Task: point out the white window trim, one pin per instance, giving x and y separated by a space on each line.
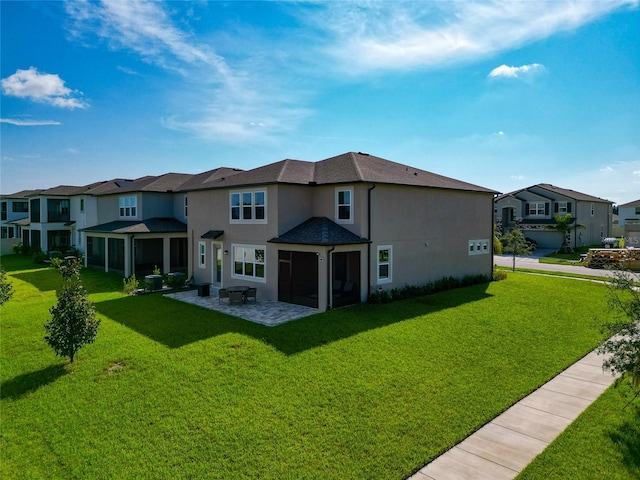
253 220
248 277
537 204
132 205
592 209
478 247
202 254
186 205
344 189
388 279
563 207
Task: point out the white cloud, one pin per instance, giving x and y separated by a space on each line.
366 36
516 72
243 102
28 123
41 87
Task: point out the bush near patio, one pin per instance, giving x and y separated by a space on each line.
368 391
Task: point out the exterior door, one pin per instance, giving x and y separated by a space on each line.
298 278
216 264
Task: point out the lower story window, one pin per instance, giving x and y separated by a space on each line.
249 262
384 264
202 252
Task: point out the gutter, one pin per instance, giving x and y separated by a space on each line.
369 238
330 278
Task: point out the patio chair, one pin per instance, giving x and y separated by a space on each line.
250 293
222 294
236 297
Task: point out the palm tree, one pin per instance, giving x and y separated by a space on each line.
564 225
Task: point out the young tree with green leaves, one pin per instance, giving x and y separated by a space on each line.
514 242
564 224
623 343
73 323
6 289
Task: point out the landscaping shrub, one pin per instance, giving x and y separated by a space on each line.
39 256
499 275
412 291
130 285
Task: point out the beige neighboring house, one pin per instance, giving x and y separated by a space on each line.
325 234
133 226
629 223
533 210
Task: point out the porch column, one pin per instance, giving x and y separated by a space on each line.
106 254
127 257
166 254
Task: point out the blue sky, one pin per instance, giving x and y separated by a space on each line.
499 94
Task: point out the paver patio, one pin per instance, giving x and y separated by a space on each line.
265 312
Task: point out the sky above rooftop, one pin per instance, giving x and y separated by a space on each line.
498 94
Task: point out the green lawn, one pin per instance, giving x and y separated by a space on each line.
604 442
171 390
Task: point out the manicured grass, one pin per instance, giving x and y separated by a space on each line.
371 391
604 442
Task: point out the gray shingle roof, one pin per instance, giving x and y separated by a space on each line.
151 225
565 192
168 182
635 203
346 168
208 179
319 231
21 194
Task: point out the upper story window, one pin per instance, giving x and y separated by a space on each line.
637 210
57 210
34 209
186 205
4 211
592 210
344 205
128 207
537 208
82 204
248 206
20 207
562 207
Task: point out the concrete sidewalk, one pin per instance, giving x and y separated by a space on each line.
507 444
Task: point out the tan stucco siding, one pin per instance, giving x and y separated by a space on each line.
429 231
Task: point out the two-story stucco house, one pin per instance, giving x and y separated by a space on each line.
533 210
140 225
629 222
14 215
327 233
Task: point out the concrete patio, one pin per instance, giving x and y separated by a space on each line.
265 312
503 447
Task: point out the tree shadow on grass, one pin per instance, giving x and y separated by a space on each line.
30 382
48 279
44 279
176 324
627 439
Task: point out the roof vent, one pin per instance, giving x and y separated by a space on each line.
363 153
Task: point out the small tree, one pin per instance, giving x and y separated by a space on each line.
515 243
73 323
623 343
564 225
6 289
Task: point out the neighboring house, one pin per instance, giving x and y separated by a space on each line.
629 222
139 225
51 226
327 233
533 210
14 215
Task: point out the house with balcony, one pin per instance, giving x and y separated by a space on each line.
327 233
629 222
533 210
136 225
14 215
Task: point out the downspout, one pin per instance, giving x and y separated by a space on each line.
133 256
329 278
369 238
